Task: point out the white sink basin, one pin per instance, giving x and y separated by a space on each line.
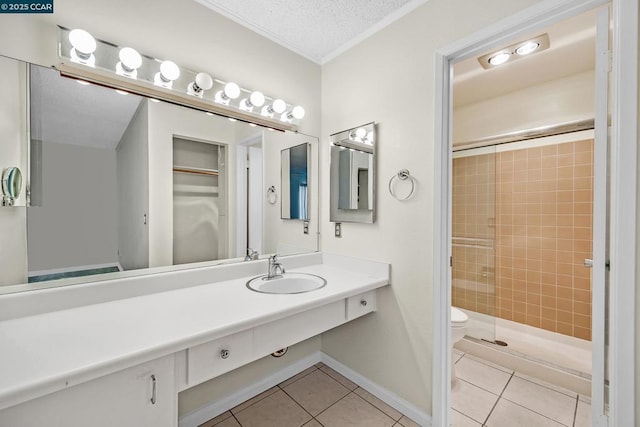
289 283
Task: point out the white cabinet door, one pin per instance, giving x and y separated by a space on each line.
122 399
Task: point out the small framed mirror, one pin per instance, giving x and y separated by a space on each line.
11 185
294 168
352 185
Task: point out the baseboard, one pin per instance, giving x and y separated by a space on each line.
388 397
215 408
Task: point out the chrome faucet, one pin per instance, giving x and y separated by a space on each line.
275 268
251 255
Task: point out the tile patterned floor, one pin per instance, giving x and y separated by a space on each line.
316 397
490 395
484 395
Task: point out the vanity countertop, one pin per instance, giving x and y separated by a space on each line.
47 352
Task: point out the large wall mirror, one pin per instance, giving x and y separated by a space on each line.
352 185
122 185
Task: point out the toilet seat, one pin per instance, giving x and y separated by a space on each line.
458 316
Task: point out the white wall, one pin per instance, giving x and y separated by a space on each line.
396 89
77 222
133 189
13 114
559 101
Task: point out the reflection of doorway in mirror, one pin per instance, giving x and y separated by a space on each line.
363 188
250 191
199 219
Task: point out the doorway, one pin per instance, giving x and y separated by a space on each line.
622 389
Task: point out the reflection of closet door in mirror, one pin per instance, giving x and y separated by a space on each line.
294 169
198 211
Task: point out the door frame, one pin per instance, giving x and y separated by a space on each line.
624 163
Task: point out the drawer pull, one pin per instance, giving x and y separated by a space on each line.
154 391
363 302
224 353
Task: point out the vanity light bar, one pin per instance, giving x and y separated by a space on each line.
104 63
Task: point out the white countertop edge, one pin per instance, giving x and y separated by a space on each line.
18 393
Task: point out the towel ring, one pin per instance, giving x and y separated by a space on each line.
272 196
402 175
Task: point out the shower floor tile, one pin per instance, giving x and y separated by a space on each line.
519 400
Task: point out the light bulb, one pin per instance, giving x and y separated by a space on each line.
83 47
360 133
499 58
369 138
527 48
279 106
257 99
130 59
297 112
121 92
82 42
231 90
169 71
202 82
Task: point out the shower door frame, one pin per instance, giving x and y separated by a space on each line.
624 137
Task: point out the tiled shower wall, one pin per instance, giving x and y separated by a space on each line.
533 270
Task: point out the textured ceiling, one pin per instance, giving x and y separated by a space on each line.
65 112
316 29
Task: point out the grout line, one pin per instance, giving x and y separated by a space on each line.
575 411
234 417
325 410
374 406
296 402
533 381
498 400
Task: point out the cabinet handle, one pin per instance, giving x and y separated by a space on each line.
224 353
154 391
363 302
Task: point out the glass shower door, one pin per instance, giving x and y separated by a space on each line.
474 242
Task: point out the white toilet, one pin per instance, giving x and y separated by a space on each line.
458 330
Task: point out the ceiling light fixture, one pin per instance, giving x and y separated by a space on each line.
515 51
83 47
202 82
169 72
130 61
